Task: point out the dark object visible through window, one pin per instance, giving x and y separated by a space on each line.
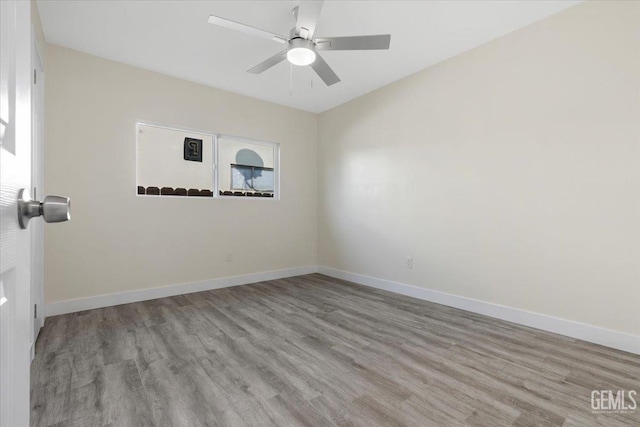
193 149
254 178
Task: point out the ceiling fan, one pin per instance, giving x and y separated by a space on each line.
302 49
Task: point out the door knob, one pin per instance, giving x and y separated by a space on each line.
52 208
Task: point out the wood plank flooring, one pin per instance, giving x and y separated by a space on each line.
315 351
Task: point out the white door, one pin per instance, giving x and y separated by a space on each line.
15 243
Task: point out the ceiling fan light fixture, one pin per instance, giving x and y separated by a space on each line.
301 56
301 52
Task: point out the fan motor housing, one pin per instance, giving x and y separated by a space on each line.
299 42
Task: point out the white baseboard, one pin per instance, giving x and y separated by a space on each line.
582 331
594 334
81 304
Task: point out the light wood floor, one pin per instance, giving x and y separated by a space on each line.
315 351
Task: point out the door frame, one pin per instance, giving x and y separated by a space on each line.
37 187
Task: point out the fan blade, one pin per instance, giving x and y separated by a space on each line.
265 65
324 71
381 41
247 29
307 18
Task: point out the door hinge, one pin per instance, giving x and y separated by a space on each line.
35 311
34 76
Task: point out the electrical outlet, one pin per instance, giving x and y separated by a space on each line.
229 257
409 262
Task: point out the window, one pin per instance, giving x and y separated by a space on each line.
176 162
246 168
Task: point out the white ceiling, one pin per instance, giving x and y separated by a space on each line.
174 38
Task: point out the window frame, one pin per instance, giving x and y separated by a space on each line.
216 167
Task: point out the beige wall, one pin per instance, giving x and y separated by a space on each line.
509 173
118 242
